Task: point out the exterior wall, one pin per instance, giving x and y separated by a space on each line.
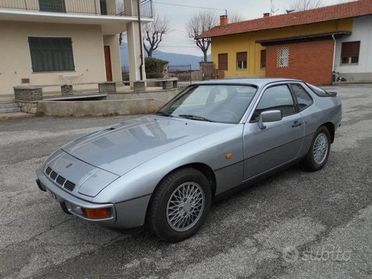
247 42
308 61
87 43
72 6
19 4
362 31
113 42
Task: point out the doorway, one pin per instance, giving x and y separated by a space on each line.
108 63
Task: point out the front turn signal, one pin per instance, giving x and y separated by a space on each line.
97 213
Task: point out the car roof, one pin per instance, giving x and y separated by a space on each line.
254 81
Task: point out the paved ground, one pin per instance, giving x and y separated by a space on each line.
293 225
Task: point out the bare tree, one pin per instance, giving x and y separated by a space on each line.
153 34
235 17
198 24
302 5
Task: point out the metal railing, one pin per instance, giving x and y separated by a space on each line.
182 72
147 8
94 7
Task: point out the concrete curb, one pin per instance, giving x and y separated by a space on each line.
17 115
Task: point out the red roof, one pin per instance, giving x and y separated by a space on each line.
341 11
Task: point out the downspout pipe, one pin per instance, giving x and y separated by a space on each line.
140 38
334 53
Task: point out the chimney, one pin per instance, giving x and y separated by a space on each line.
266 14
224 20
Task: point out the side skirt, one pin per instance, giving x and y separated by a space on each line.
252 181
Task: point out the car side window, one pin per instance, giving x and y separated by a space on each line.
276 98
303 98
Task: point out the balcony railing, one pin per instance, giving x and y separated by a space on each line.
93 7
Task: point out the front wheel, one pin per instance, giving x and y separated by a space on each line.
318 153
180 205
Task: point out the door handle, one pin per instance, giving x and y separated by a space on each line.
296 124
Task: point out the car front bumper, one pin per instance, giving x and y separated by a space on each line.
126 214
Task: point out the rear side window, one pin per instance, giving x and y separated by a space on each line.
303 98
276 98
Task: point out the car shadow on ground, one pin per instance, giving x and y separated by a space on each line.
226 200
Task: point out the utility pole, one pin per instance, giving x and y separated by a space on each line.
140 38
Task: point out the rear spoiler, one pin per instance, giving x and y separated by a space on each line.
320 91
331 94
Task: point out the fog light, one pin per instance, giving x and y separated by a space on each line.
97 213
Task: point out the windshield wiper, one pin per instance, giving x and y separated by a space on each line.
195 117
162 113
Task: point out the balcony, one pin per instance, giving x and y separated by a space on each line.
112 15
87 7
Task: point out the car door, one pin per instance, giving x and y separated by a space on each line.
279 142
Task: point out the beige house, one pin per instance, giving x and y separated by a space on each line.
55 42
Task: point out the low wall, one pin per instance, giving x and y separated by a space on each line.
28 107
98 108
357 77
164 96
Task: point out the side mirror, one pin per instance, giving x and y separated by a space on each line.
269 116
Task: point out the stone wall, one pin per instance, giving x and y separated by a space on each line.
28 94
98 108
28 107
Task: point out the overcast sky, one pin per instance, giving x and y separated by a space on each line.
176 40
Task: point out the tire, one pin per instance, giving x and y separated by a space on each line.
165 218
311 162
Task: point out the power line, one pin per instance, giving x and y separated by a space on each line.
189 6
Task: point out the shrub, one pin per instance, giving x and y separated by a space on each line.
155 67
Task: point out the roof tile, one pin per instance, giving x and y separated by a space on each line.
340 11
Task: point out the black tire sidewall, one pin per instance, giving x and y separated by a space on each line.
158 219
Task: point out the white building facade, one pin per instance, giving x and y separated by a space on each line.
56 42
353 57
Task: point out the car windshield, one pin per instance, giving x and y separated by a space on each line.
214 103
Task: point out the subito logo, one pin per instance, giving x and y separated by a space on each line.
290 254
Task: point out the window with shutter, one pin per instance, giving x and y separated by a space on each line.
350 52
223 61
263 58
241 60
51 54
52 6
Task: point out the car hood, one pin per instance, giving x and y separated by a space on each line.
125 146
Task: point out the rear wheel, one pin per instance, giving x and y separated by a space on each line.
318 153
180 205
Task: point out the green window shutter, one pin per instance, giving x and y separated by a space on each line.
51 54
52 6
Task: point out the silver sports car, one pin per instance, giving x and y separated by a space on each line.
165 170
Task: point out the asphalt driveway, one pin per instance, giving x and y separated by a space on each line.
292 225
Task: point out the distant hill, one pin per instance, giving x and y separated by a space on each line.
172 58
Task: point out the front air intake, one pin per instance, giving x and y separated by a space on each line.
60 180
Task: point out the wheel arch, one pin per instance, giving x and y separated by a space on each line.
331 129
202 167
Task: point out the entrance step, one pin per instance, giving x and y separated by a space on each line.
9 107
